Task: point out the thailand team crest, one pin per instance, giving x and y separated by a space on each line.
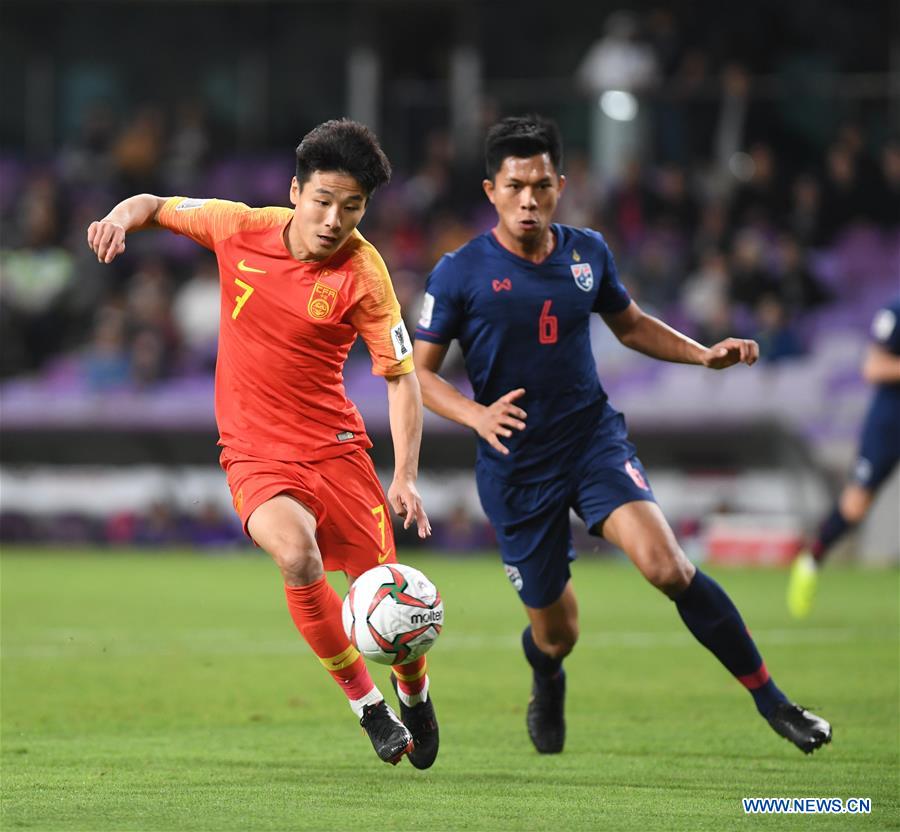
321 301
515 576
584 277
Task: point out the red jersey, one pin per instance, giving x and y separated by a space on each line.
286 328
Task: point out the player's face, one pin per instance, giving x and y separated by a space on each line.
525 192
327 208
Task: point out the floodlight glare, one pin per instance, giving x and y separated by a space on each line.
619 105
742 166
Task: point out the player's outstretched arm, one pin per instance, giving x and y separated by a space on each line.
106 237
405 413
497 420
649 335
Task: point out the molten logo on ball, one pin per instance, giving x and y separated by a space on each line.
393 614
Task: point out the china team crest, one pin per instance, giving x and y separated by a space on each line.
321 301
584 277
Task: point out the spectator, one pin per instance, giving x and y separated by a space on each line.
583 194
673 205
211 527
713 231
777 338
161 526
137 151
87 161
706 291
658 269
886 204
149 308
461 532
798 289
693 114
34 279
105 363
844 202
759 201
805 214
195 312
618 64
628 206
187 148
750 275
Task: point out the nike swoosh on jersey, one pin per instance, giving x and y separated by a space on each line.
384 556
243 267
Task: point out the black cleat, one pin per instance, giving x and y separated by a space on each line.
803 728
422 724
390 738
545 717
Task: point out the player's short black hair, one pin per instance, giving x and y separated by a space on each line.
344 146
522 136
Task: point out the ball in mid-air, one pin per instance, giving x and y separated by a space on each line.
393 614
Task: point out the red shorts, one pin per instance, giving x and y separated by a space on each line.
353 523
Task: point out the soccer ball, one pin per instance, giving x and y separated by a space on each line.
393 614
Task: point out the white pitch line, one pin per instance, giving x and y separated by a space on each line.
95 643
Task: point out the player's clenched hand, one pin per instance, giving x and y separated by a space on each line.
106 239
499 418
405 500
731 351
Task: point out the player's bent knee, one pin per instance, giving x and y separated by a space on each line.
670 572
300 561
556 643
556 649
855 503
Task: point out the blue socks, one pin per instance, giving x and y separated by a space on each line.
544 666
831 530
715 622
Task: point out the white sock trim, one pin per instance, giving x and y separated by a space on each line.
411 699
373 697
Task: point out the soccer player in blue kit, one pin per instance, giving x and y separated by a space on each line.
879 452
519 300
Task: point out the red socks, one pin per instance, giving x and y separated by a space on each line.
412 681
316 610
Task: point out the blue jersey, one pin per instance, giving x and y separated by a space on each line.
879 446
886 334
524 324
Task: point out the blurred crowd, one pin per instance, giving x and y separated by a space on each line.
162 524
205 524
717 250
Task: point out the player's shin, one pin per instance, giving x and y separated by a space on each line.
715 622
316 611
833 528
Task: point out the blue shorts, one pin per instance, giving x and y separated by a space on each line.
879 445
532 520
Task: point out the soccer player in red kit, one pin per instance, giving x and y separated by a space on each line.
297 286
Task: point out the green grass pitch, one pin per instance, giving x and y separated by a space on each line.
171 692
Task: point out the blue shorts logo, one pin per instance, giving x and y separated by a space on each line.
862 473
515 576
636 476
